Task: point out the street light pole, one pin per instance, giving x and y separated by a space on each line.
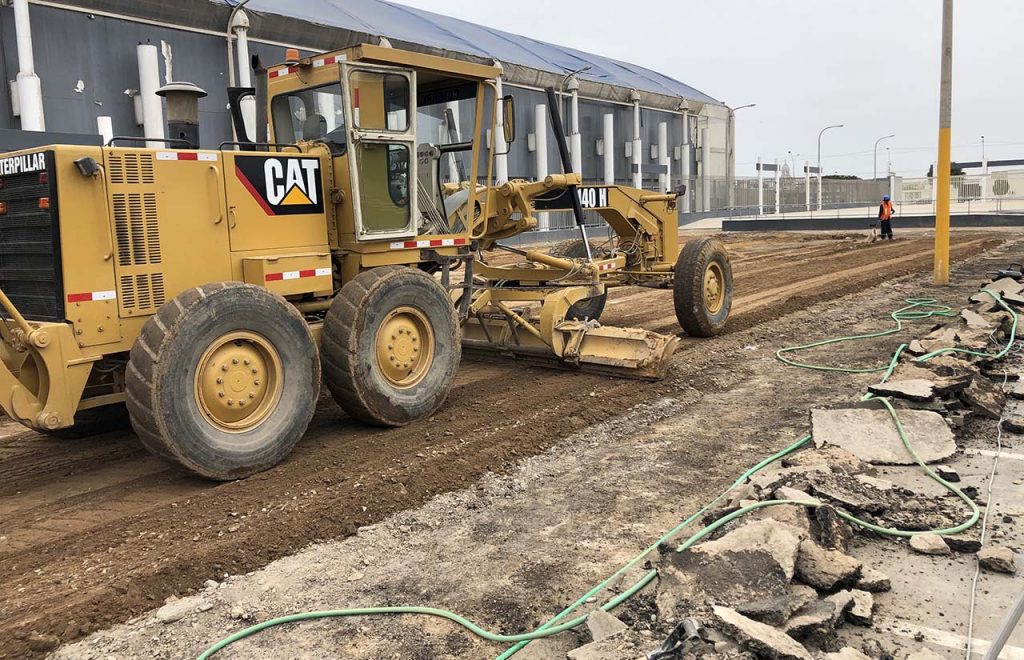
941 275
729 157
885 137
822 131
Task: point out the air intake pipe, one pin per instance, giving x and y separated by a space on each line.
183 112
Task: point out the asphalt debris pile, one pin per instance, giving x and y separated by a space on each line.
781 581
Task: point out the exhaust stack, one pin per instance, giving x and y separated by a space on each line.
183 111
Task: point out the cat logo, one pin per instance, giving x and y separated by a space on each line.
282 185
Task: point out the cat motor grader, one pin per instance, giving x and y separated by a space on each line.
205 294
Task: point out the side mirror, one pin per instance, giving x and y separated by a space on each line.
509 119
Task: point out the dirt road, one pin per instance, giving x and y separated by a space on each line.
94 531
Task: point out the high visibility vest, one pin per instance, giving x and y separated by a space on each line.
886 210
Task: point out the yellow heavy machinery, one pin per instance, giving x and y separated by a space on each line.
206 294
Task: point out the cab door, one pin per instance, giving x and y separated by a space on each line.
380 110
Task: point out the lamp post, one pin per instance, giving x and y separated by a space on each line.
820 133
729 167
941 275
884 137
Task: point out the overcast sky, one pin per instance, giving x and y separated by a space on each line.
872 65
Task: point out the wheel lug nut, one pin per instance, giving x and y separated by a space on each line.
256 382
246 363
234 360
224 367
255 371
252 395
220 394
220 380
231 402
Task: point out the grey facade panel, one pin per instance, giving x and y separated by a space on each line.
101 53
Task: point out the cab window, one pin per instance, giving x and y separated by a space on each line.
384 185
380 101
311 114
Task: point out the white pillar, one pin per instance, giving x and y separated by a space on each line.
453 136
705 167
540 132
247 104
664 178
986 180
30 89
609 149
892 187
638 144
819 188
807 185
575 140
152 106
105 128
778 187
501 160
686 169
760 188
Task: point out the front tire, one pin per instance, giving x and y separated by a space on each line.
702 288
223 380
391 346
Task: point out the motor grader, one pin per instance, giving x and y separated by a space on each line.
206 293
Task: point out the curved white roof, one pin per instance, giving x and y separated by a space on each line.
425 28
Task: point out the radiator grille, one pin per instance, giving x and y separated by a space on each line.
30 270
130 167
140 280
137 228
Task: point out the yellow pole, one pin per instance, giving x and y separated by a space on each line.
943 167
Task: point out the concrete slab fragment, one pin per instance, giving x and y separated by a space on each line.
975 321
871 434
914 389
765 641
1005 286
602 625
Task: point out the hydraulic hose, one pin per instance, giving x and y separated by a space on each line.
916 309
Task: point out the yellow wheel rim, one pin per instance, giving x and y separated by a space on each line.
405 347
714 287
238 381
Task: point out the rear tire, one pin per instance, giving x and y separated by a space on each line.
588 308
223 380
702 289
391 346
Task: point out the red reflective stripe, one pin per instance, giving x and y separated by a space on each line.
410 244
79 297
307 273
436 242
187 156
273 277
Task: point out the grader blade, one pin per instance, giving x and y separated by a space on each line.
580 345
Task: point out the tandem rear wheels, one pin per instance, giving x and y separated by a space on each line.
702 288
223 380
391 346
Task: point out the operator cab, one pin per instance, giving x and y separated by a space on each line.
407 134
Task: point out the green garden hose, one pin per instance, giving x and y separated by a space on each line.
916 308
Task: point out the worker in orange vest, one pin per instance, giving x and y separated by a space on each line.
885 215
